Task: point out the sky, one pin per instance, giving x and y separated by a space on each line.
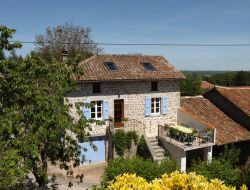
145 21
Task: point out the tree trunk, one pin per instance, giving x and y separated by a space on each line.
41 180
40 171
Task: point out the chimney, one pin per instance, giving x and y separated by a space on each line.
64 54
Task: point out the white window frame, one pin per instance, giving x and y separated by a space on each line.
95 108
153 106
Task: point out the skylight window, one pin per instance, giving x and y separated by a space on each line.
149 66
110 66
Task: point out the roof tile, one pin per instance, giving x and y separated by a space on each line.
228 131
239 96
129 68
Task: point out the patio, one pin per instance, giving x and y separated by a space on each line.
185 137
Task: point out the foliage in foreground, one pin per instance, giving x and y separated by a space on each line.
146 168
223 167
172 181
35 123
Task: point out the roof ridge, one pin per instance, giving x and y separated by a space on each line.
186 97
128 54
233 87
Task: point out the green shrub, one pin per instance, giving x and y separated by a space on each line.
221 170
223 167
246 175
145 168
123 141
142 148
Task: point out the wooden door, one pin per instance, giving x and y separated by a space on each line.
118 112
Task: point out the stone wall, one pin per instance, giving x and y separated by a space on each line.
134 94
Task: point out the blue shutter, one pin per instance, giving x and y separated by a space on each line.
147 106
86 110
164 108
105 110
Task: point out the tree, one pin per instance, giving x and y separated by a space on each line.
11 172
224 167
2 56
191 85
242 78
6 34
74 39
35 124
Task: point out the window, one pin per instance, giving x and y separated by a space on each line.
96 110
96 87
149 66
155 105
154 86
110 66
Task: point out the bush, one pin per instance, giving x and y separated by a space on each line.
173 181
246 175
142 149
123 141
223 167
221 170
146 168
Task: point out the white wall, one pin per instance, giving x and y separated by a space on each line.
187 120
178 154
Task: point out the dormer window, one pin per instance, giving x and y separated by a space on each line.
96 87
110 66
148 66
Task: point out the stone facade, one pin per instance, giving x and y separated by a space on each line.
134 94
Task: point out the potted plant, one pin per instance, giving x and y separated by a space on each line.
209 131
124 120
195 132
111 119
166 126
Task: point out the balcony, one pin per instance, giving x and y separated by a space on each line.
186 138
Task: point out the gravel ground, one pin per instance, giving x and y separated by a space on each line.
60 181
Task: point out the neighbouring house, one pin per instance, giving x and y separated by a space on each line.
145 91
200 111
206 85
234 101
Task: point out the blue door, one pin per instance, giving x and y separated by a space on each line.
92 156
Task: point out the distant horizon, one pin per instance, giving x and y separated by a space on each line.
215 70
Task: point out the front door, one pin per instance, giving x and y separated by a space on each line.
118 112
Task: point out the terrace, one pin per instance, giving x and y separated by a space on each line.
185 137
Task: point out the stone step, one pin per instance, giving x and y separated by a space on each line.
157 147
154 143
159 150
159 154
159 157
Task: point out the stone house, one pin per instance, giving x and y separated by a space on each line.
141 88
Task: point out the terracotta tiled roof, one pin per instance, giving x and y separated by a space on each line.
129 68
228 131
239 96
206 85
